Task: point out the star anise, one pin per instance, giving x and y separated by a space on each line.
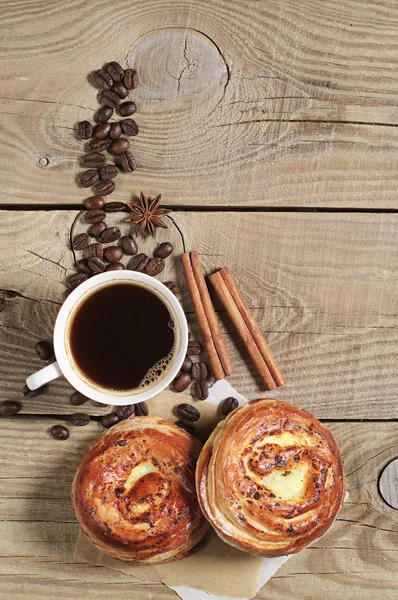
147 215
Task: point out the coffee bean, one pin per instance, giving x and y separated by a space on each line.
59 432
44 350
82 266
95 160
172 287
194 348
110 98
28 393
108 172
94 216
120 90
186 365
181 382
2 304
119 146
95 250
102 79
164 250
111 234
129 127
115 267
228 405
124 412
109 420
80 241
199 371
89 178
80 419
201 390
8 408
187 425
77 279
99 145
97 229
154 267
96 264
138 263
114 206
115 132
105 187
141 409
115 71
102 130
77 398
127 108
188 412
130 79
113 254
84 130
127 162
94 203
128 244
104 114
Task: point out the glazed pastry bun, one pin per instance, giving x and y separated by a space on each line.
134 492
270 478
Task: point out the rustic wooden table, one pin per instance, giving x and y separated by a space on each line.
271 129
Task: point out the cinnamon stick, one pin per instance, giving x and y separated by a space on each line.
253 327
215 362
242 329
216 333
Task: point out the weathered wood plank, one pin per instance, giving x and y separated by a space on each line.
240 102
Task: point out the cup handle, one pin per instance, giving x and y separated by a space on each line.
43 376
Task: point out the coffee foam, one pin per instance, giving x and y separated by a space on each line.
153 376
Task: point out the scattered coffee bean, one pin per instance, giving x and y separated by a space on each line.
113 254
188 412
115 71
130 79
84 130
80 419
95 160
124 412
138 263
187 425
115 132
110 234
141 409
120 90
8 408
108 172
182 382
33 393
154 267
102 130
109 420
97 229
96 264
199 371
2 304
186 365
127 162
82 266
99 145
77 398
94 216
164 250
110 98
194 348
95 250
44 350
129 127
119 146
104 114
89 178
127 108
114 206
80 241
228 405
128 244
103 79
77 279
59 432
94 203
172 287
105 187
115 267
201 390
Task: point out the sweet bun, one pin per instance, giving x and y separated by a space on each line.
270 478
134 492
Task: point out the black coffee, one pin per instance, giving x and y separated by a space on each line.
122 337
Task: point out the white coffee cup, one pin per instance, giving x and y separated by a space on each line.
67 367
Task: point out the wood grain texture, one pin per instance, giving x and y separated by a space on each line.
240 102
323 288
38 529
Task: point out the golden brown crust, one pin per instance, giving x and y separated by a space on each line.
134 492
270 478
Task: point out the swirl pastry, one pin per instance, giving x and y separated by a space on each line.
270 478
134 492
